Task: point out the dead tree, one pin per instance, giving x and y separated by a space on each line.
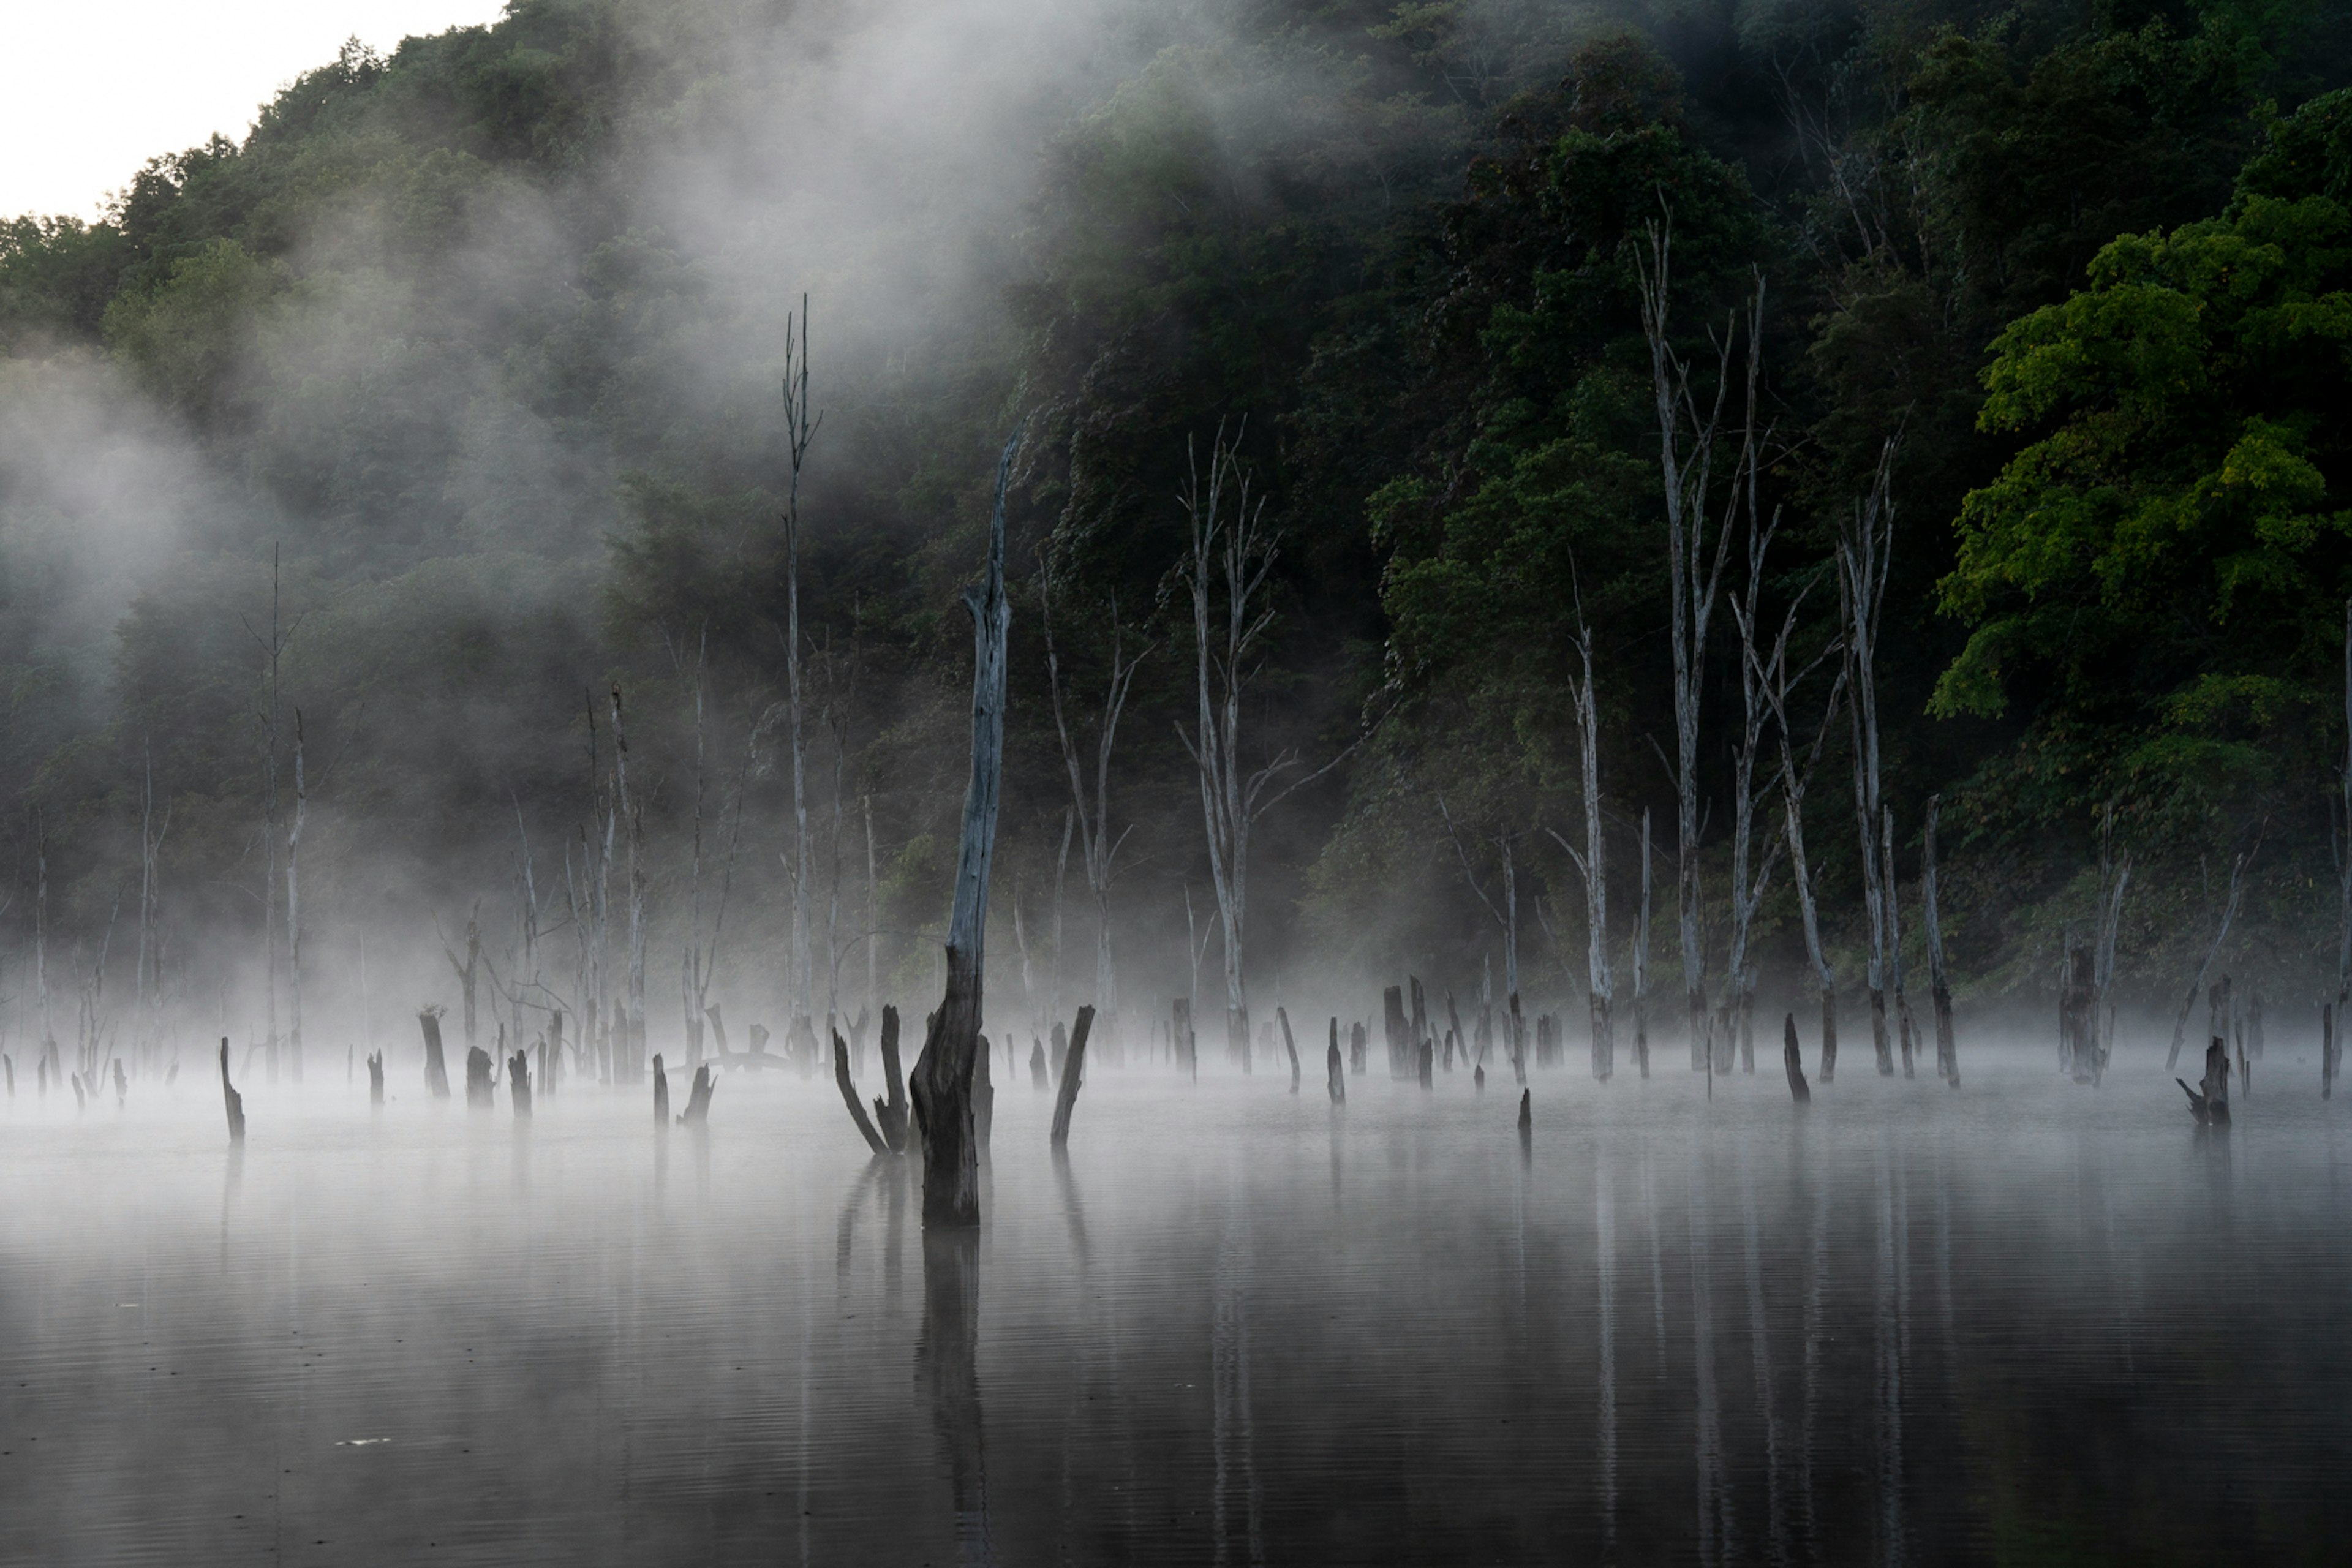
436 1068
1225 567
518 1083
2229 913
229 1095
943 1078
1642 961
1073 1070
849 1095
892 1111
1394 1030
1760 674
1290 1046
1794 1061
2344 843
478 1079
469 970
1591 862
1098 850
1504 914
2113 881
698 1098
1335 1078
375 1078
294 905
1947 1054
1687 433
628 1055
800 429
661 1093
1865 552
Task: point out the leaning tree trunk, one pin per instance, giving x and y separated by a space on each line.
942 1087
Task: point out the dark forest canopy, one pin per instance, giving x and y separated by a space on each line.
481 345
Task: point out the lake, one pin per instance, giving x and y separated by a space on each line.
2022 1322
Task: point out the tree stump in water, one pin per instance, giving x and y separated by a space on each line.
891 1112
661 1093
849 1095
1526 1119
231 1099
437 1067
375 1079
1392 1022
984 1096
1794 1061
1358 1037
2217 1081
1336 1077
1039 1077
519 1084
698 1098
1073 1072
1289 1046
1061 1039
478 1079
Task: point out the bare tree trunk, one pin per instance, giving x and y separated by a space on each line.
1642 960
1072 1070
628 1059
1947 1055
2229 913
1864 556
232 1101
294 904
943 1077
1907 1036
2113 881
799 430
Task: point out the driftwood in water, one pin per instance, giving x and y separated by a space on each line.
1336 1078
478 1079
1290 1046
518 1083
891 1112
1794 1061
1040 1079
661 1093
1074 1067
849 1095
698 1098
436 1068
375 1078
229 1095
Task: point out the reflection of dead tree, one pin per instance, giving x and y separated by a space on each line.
943 1085
1097 848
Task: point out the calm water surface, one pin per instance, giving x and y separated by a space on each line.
2022 1323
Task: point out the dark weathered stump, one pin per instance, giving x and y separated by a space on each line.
698 1098
891 1112
1289 1046
1400 1040
661 1093
437 1067
231 1099
941 1098
519 1084
1335 1076
1040 1078
1527 1118
1794 1061
375 1079
2216 1085
984 1096
1074 1067
478 1079
849 1095
1061 1039
1359 1038
1478 1078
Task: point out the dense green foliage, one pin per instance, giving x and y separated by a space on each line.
483 339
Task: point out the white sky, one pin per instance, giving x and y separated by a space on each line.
90 90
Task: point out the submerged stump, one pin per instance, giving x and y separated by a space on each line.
234 1102
1794 1061
1073 1072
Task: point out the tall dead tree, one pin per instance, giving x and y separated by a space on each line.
1593 861
1778 685
1096 848
1947 1054
2114 877
1225 566
2195 987
628 1053
1642 960
294 904
1690 420
942 1086
800 429
1866 548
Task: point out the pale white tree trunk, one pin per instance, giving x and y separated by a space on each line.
1862 559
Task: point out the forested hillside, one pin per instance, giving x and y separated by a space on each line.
399 435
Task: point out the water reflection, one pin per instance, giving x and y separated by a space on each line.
1193 1351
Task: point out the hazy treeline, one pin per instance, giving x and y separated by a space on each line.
462 374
